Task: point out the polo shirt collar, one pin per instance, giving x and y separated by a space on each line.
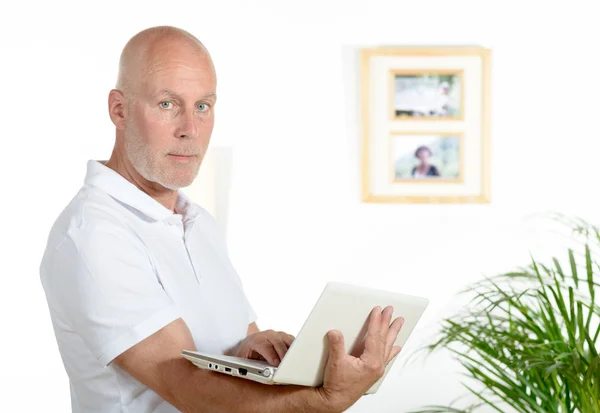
106 179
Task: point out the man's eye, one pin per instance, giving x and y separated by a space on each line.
203 107
166 105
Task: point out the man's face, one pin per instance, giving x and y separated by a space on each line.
171 116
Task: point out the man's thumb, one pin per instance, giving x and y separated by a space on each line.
336 342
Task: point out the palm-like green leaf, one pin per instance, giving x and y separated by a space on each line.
528 339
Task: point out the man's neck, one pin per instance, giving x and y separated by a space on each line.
166 197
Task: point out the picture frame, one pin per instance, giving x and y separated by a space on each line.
426 124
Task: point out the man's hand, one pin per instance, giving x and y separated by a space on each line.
268 345
347 378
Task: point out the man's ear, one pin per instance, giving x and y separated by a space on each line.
116 108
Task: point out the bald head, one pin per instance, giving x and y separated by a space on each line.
163 107
148 48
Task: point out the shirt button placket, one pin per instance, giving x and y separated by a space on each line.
187 250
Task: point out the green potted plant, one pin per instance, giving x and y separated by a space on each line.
528 340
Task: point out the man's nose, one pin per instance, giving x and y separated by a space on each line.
187 128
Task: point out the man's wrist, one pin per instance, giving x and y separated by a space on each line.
319 402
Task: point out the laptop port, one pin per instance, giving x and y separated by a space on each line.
227 369
243 372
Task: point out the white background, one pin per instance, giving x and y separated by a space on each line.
288 107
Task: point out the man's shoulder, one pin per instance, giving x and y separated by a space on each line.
89 214
89 230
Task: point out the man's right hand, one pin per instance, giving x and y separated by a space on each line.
347 378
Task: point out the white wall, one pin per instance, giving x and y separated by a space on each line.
288 107
212 186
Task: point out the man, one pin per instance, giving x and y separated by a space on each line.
134 272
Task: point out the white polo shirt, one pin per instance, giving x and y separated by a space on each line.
118 267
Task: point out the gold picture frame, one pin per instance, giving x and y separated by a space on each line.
418 69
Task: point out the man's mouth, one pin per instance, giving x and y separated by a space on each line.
182 157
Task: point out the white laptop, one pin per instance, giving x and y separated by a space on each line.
342 307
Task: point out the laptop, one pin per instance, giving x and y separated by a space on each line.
341 306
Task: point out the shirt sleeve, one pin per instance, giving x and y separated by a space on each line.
104 284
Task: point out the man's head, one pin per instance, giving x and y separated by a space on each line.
163 106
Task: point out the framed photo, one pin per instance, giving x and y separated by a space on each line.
426 125
426 158
426 94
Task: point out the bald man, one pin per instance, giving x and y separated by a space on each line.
134 272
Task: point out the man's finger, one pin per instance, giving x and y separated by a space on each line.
279 347
288 339
256 356
393 353
374 325
268 352
374 342
393 334
386 318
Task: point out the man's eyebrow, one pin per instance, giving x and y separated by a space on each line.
167 92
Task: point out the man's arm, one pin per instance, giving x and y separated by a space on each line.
157 362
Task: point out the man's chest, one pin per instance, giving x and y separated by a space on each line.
198 276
